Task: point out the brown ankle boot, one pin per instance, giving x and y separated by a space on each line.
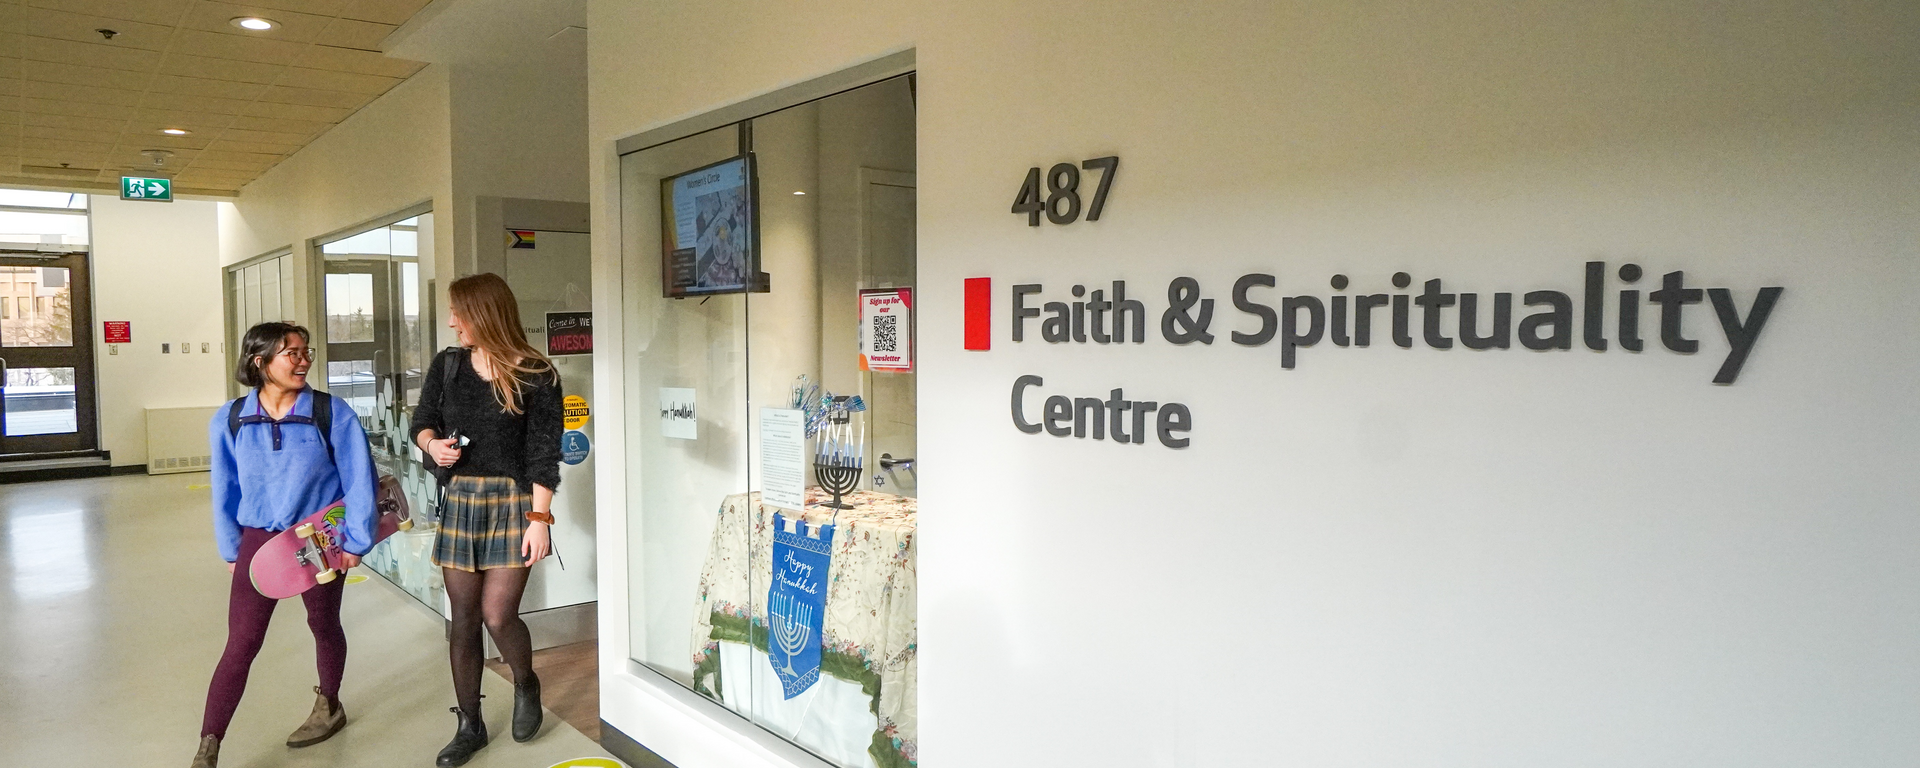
325 721
209 754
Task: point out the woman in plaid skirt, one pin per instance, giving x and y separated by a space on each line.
497 425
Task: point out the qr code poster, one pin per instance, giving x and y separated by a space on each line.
886 329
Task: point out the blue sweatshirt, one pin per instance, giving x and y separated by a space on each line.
260 485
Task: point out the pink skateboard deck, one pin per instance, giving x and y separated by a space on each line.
308 554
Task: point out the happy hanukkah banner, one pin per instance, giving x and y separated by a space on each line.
797 602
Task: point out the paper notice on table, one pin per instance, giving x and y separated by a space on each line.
677 416
783 457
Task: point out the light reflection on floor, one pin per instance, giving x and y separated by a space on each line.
47 549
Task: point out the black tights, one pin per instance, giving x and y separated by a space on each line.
492 596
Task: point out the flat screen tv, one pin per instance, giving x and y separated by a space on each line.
710 230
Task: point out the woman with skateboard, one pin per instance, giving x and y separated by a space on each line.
490 414
272 466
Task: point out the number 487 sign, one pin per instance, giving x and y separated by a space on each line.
1060 200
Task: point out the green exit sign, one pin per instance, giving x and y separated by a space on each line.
136 188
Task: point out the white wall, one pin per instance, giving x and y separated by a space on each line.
1383 556
156 265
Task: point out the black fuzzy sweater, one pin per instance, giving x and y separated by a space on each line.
525 447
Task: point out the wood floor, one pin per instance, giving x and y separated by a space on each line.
569 683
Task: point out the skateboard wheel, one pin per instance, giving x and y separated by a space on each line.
324 576
303 530
406 524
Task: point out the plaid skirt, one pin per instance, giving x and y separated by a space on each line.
482 524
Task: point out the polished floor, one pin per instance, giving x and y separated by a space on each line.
113 612
569 683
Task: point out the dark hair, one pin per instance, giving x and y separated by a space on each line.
261 342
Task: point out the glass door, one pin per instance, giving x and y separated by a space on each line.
46 352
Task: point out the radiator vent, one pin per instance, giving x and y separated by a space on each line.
177 439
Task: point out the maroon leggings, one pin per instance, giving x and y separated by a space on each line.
248 612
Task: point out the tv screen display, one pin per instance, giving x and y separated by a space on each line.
709 223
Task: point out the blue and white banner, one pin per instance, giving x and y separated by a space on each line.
797 602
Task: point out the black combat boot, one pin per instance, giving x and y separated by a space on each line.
471 736
526 708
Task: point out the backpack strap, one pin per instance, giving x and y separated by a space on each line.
323 418
233 416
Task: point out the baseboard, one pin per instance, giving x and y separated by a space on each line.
130 469
629 751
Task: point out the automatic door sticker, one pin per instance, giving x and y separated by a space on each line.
574 411
574 447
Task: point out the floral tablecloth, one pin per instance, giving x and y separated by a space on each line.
872 630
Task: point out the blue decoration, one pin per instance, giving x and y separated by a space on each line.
574 447
797 602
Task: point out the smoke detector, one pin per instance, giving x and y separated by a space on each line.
158 156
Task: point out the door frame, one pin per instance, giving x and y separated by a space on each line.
86 398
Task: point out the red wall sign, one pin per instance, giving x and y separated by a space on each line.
119 331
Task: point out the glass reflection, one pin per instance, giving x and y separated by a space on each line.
40 401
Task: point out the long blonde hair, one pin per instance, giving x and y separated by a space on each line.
492 316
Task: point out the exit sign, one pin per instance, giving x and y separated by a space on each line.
136 188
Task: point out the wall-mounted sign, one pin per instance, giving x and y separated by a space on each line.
118 331
886 329
574 411
574 447
569 333
140 188
677 416
520 238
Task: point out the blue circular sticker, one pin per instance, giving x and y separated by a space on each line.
574 447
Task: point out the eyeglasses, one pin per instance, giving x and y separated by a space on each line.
300 354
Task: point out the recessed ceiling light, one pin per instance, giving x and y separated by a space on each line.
254 23
175 131
798 192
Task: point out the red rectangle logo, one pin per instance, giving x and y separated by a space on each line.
119 331
979 303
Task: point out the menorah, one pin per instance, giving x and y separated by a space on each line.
839 455
788 623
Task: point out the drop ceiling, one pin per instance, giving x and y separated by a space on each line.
79 109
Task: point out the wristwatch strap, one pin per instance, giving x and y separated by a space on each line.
541 517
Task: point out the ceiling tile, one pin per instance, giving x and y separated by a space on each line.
157 140
263 137
354 60
370 85
89 54
219 69
233 165
69 134
315 7
9 87
314 97
210 16
185 103
64 146
74 74
219 46
239 159
384 11
76 108
161 12
64 92
297 112
154 119
41 22
227 145
195 86
70 121
364 35
307 128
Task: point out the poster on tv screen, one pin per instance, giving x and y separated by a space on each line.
708 224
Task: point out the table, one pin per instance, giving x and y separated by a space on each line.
872 629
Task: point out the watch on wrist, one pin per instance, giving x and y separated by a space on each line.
541 517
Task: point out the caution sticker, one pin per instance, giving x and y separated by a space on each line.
575 411
589 762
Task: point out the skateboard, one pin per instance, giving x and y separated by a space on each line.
308 554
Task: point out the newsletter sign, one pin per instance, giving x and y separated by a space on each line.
886 329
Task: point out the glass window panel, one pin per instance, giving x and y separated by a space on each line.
288 309
36 199
45 228
373 242
40 401
406 242
251 279
43 304
352 380
270 290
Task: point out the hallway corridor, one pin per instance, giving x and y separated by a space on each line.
113 612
